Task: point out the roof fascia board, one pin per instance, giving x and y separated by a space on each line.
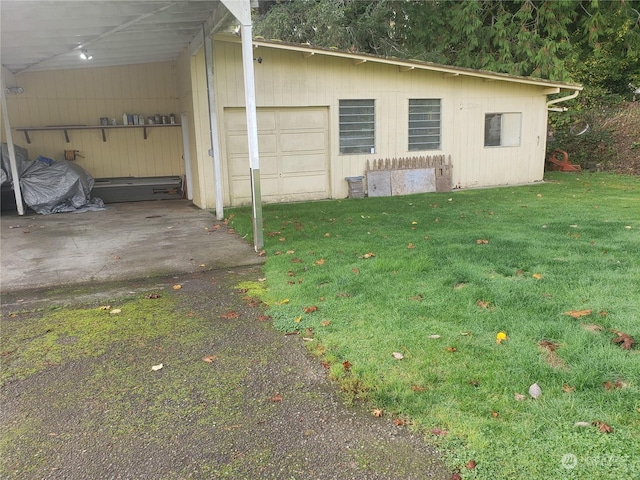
406 65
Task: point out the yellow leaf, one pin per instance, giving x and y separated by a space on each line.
537 276
320 261
286 300
115 311
298 319
414 223
177 287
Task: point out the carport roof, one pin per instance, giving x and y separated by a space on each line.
50 34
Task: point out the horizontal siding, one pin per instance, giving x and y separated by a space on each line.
81 97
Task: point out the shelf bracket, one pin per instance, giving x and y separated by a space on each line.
66 135
104 137
144 129
26 137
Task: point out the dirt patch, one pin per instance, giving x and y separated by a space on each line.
624 126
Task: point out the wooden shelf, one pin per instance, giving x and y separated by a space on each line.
66 128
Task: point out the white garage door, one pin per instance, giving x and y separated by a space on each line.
294 161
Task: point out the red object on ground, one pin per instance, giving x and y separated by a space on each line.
562 165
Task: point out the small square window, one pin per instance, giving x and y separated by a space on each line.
502 129
424 124
357 126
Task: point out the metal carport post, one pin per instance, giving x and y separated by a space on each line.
15 175
241 10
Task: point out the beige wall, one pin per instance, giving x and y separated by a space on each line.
82 96
286 78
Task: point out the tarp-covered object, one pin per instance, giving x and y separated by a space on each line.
52 186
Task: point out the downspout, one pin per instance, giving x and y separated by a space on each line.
561 99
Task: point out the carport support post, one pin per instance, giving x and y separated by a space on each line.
213 125
15 176
252 133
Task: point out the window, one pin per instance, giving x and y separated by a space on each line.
357 126
424 124
502 129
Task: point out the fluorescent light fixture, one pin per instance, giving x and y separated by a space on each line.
84 55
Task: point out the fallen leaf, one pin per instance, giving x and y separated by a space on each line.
155 368
153 296
298 319
578 313
519 397
368 255
414 223
439 432
471 464
625 340
411 246
320 261
451 349
399 422
325 365
282 302
202 265
262 253
459 286
327 234
500 337
282 239
482 241
495 414
566 388
456 476
548 345
310 309
116 257
230 315
290 252
417 388
603 427
482 304
466 334
325 323
115 311
537 276
416 298
177 287
535 391
435 336
397 355
276 398
582 424
377 412
210 358
347 365
355 270
614 386
474 383
296 260
105 307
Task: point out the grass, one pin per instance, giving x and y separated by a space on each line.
387 274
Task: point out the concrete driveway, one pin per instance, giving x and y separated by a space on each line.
124 242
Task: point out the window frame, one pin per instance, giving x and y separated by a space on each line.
509 134
349 137
415 146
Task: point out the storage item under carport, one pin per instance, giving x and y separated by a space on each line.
138 189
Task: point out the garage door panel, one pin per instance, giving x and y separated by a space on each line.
237 144
302 119
303 142
293 151
239 166
304 164
312 184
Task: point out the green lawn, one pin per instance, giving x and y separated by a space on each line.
389 274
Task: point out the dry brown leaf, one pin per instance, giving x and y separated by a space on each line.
451 349
377 412
105 307
368 255
456 476
411 246
482 241
566 388
483 304
439 432
347 365
416 298
209 358
603 427
310 309
495 414
230 315
177 287
397 355
471 464
262 253
355 270
399 421
320 261
263 318
417 388
276 398
325 323
578 313
548 345
625 340
591 327
519 397
153 296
